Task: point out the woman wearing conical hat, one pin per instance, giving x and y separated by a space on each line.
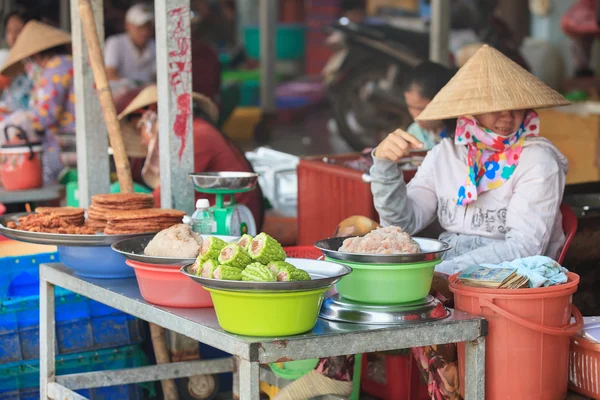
496 188
213 151
51 109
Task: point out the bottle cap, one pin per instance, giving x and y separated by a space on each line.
202 203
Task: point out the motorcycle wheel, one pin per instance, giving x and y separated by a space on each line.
363 123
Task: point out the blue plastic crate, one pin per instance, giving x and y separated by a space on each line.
81 325
11 267
20 380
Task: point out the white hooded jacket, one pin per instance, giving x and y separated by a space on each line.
521 218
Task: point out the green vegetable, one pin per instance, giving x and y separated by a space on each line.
299 275
211 247
245 241
275 266
208 268
226 273
264 249
257 272
234 256
284 274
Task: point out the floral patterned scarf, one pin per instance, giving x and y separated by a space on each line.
492 158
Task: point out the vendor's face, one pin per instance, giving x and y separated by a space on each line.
416 103
13 29
140 35
503 123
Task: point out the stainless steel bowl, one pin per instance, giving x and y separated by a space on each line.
133 249
431 250
323 273
224 180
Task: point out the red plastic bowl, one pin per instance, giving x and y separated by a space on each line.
167 286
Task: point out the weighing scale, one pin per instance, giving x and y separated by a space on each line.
231 219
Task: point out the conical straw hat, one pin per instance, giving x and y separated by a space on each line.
149 96
34 38
490 82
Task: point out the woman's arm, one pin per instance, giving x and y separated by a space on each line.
412 208
530 218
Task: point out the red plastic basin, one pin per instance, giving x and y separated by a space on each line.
167 286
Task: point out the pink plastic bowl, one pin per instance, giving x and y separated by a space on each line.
167 286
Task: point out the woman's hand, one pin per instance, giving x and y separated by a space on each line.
397 145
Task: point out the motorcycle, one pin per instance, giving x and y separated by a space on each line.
365 79
366 75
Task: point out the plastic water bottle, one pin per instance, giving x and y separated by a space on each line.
203 220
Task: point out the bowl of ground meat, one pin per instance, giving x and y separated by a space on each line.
388 265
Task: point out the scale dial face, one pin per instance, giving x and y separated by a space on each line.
241 221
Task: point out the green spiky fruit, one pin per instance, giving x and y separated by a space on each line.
208 268
275 266
234 256
264 249
244 241
211 247
257 272
226 273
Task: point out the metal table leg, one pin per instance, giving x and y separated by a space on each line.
47 337
249 379
475 369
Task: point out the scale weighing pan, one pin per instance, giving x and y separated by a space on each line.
133 249
339 309
224 182
323 274
431 250
56 239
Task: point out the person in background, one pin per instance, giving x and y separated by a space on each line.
51 109
213 151
426 81
132 55
206 67
16 95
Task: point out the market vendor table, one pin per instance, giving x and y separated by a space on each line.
326 339
45 193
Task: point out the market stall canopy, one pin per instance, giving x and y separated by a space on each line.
490 82
34 38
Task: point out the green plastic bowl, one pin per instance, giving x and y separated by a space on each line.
386 283
293 370
267 314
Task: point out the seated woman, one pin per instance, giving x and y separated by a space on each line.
496 188
213 151
51 109
425 82
16 95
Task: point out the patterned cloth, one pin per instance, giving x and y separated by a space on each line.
439 367
51 111
16 95
492 158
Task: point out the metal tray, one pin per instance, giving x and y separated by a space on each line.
431 250
56 239
340 309
133 249
230 181
323 273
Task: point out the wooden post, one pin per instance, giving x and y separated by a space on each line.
105 95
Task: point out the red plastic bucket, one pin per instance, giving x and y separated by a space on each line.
527 347
167 286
